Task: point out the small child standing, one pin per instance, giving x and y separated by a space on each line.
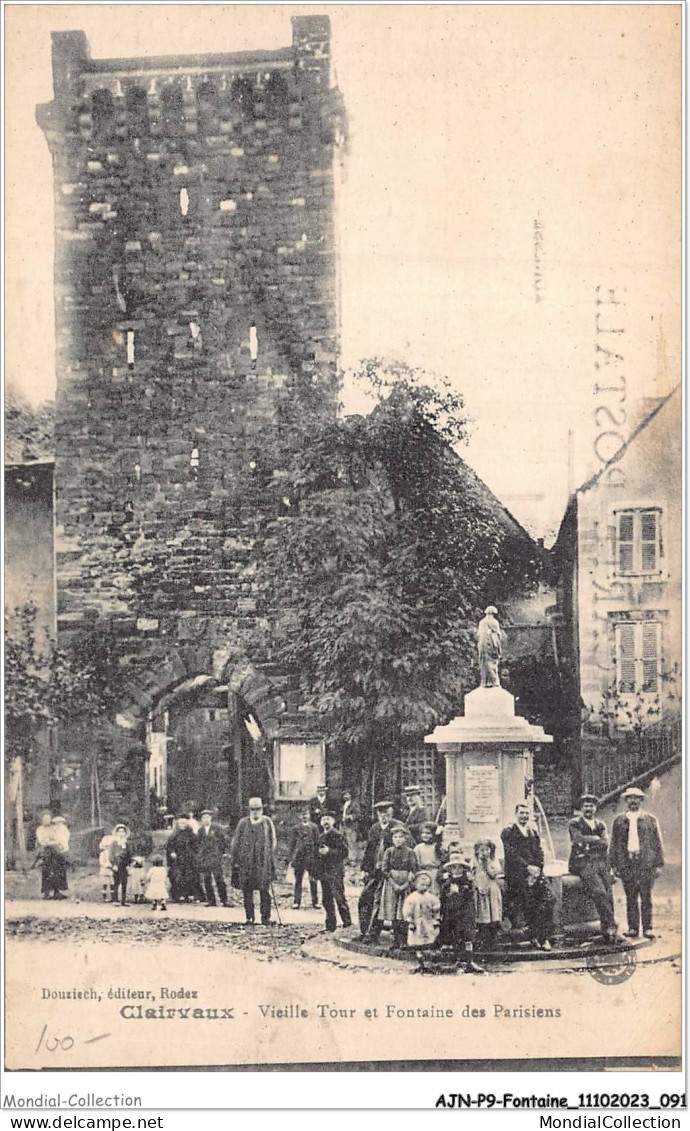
427 855
458 915
105 866
137 879
157 884
421 911
489 901
399 867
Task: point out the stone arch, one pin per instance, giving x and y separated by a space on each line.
175 670
258 691
191 689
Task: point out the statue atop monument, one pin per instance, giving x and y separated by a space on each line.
489 641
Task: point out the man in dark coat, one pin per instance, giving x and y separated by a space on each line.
333 853
183 865
253 860
378 840
416 813
636 856
589 860
210 850
527 889
304 843
318 806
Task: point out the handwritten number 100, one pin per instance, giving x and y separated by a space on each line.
52 1044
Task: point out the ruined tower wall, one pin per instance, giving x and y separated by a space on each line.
196 327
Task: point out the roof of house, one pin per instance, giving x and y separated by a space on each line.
594 479
570 513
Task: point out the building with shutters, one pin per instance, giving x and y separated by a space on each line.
618 617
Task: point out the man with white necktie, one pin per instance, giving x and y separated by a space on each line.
636 855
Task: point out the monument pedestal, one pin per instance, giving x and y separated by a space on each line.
489 769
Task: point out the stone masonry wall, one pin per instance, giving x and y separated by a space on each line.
196 328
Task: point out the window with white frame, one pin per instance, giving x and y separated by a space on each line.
638 657
639 547
300 768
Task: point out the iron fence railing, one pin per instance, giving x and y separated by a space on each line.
609 765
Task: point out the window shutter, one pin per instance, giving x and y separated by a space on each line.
650 657
626 658
625 543
648 524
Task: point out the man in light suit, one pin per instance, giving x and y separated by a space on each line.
589 860
636 855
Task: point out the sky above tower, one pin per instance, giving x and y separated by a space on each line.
507 209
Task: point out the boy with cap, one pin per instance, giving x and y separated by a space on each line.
210 849
333 854
458 910
589 860
636 856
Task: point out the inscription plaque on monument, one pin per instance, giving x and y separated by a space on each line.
482 797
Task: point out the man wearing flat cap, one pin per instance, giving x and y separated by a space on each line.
589 860
210 849
416 815
636 856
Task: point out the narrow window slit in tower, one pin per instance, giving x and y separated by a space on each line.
130 347
194 461
253 343
184 201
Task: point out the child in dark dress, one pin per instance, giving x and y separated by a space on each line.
399 868
458 915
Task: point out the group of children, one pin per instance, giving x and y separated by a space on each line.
122 873
429 902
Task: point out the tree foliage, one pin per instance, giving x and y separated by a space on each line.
387 551
46 685
29 430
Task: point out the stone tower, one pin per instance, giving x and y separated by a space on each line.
196 332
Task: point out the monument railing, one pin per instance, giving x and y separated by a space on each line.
608 765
